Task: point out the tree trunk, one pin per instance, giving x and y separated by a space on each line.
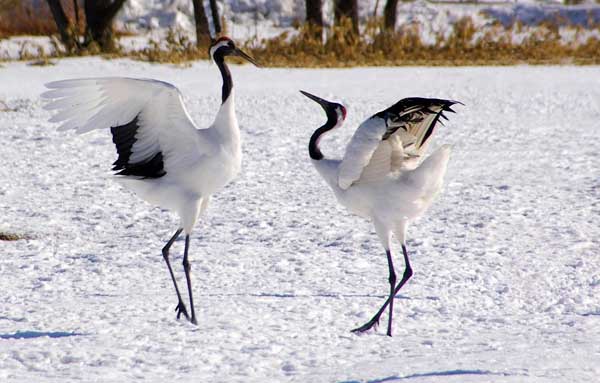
389 17
202 30
215 16
76 11
63 25
349 9
314 12
99 15
376 7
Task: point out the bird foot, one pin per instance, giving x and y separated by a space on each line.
367 326
182 310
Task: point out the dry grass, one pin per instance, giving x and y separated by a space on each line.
20 18
5 108
177 48
45 61
4 236
465 44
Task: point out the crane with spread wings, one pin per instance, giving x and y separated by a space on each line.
162 155
383 176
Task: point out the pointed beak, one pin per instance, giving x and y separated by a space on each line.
245 56
324 103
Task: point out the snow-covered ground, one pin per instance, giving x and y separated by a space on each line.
507 267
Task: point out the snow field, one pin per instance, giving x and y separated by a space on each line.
506 261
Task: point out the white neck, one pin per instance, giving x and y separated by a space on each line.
328 169
226 123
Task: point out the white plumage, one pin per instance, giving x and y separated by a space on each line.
382 175
197 162
162 155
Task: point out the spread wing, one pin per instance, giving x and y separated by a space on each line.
152 131
391 140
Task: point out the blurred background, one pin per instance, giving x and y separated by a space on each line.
308 33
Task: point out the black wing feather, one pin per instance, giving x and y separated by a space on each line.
123 137
396 116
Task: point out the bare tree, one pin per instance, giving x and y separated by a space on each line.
202 30
314 12
76 10
215 16
349 9
376 7
99 16
389 14
63 24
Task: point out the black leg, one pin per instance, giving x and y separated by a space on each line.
375 320
165 251
392 280
186 267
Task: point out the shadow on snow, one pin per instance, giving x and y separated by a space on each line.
292 295
39 334
427 374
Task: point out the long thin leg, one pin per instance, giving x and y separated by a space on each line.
165 251
407 274
392 280
186 267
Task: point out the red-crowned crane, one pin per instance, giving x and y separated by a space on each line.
383 176
162 155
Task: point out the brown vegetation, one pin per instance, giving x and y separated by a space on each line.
20 18
405 46
11 236
465 44
177 48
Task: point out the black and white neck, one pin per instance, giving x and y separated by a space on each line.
336 114
220 48
333 121
218 52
